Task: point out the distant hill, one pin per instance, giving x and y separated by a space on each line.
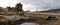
52 11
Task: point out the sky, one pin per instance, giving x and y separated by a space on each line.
33 5
4 3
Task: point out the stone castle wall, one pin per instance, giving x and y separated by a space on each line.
12 10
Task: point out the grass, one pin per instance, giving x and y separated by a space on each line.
36 17
40 18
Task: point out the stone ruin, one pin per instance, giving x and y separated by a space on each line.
17 10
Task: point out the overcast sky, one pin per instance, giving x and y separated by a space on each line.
33 5
4 3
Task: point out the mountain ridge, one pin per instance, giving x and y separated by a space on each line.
52 10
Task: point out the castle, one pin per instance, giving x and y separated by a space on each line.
12 10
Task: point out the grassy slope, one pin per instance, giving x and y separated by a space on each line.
45 15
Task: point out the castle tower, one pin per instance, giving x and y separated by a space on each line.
19 7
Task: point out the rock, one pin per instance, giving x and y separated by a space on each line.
51 18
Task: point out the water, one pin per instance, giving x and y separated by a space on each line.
30 23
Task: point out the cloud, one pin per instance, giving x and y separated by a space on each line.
32 5
4 3
41 4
